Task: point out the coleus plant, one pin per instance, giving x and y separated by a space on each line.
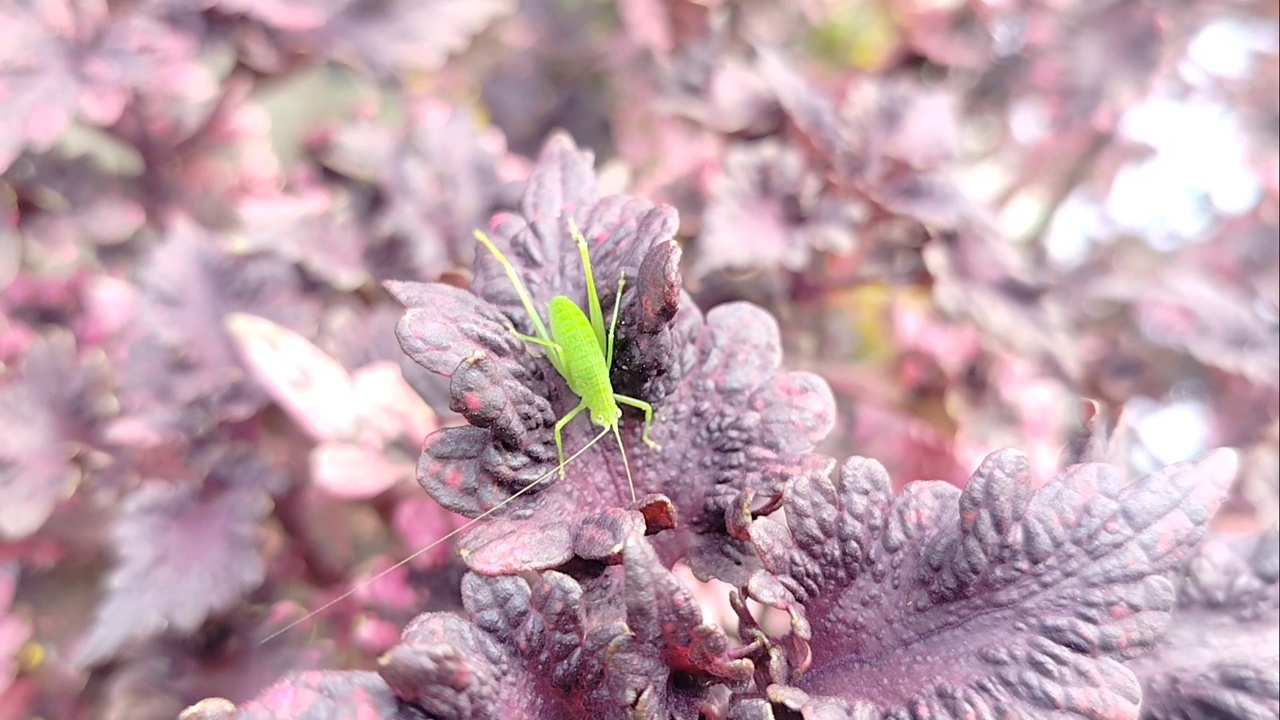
173 209
1013 597
729 423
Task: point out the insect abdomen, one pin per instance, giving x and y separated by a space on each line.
584 365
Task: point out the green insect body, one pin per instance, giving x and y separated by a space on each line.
582 352
585 367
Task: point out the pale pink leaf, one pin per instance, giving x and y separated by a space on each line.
354 472
312 387
388 407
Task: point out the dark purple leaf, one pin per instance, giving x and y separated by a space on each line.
554 647
727 420
1221 657
1000 599
183 553
183 370
458 670
664 665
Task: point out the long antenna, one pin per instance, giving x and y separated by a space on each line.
455 531
625 465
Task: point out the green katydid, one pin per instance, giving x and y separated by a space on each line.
580 350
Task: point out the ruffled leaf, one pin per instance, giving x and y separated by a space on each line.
1221 657
626 643
184 553
727 420
999 599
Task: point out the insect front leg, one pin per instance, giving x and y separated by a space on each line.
648 417
613 324
544 337
555 352
593 298
568 417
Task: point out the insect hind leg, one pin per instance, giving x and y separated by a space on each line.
568 417
648 417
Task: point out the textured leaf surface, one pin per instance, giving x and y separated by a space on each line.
558 647
664 665
1221 657
727 420
997 600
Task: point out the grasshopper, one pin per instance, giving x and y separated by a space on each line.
582 352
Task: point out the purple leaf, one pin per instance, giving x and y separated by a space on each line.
184 553
61 61
1220 657
556 647
385 37
728 421
670 655
441 177
453 669
768 210
1216 324
184 370
369 424
47 417
315 226
79 205
392 36
319 695
312 388
1000 599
